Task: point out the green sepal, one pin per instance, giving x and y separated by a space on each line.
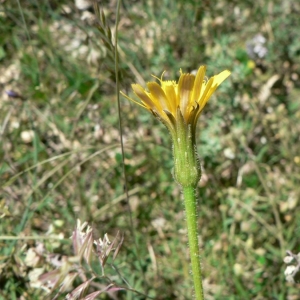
187 171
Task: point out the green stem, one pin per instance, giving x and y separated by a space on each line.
191 219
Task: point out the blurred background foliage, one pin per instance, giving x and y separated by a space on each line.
60 143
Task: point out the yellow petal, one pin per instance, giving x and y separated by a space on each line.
140 104
211 88
142 94
198 85
185 89
171 102
203 98
169 89
158 96
218 79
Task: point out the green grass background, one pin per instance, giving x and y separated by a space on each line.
60 149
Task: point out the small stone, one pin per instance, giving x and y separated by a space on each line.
27 136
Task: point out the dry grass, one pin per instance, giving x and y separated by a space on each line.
61 158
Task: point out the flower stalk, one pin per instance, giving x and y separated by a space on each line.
178 106
190 204
187 173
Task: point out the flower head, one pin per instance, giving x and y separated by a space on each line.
186 99
178 106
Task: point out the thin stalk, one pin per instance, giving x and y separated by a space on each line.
191 219
121 135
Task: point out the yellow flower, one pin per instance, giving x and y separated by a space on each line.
170 100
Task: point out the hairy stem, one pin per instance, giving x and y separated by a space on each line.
191 218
